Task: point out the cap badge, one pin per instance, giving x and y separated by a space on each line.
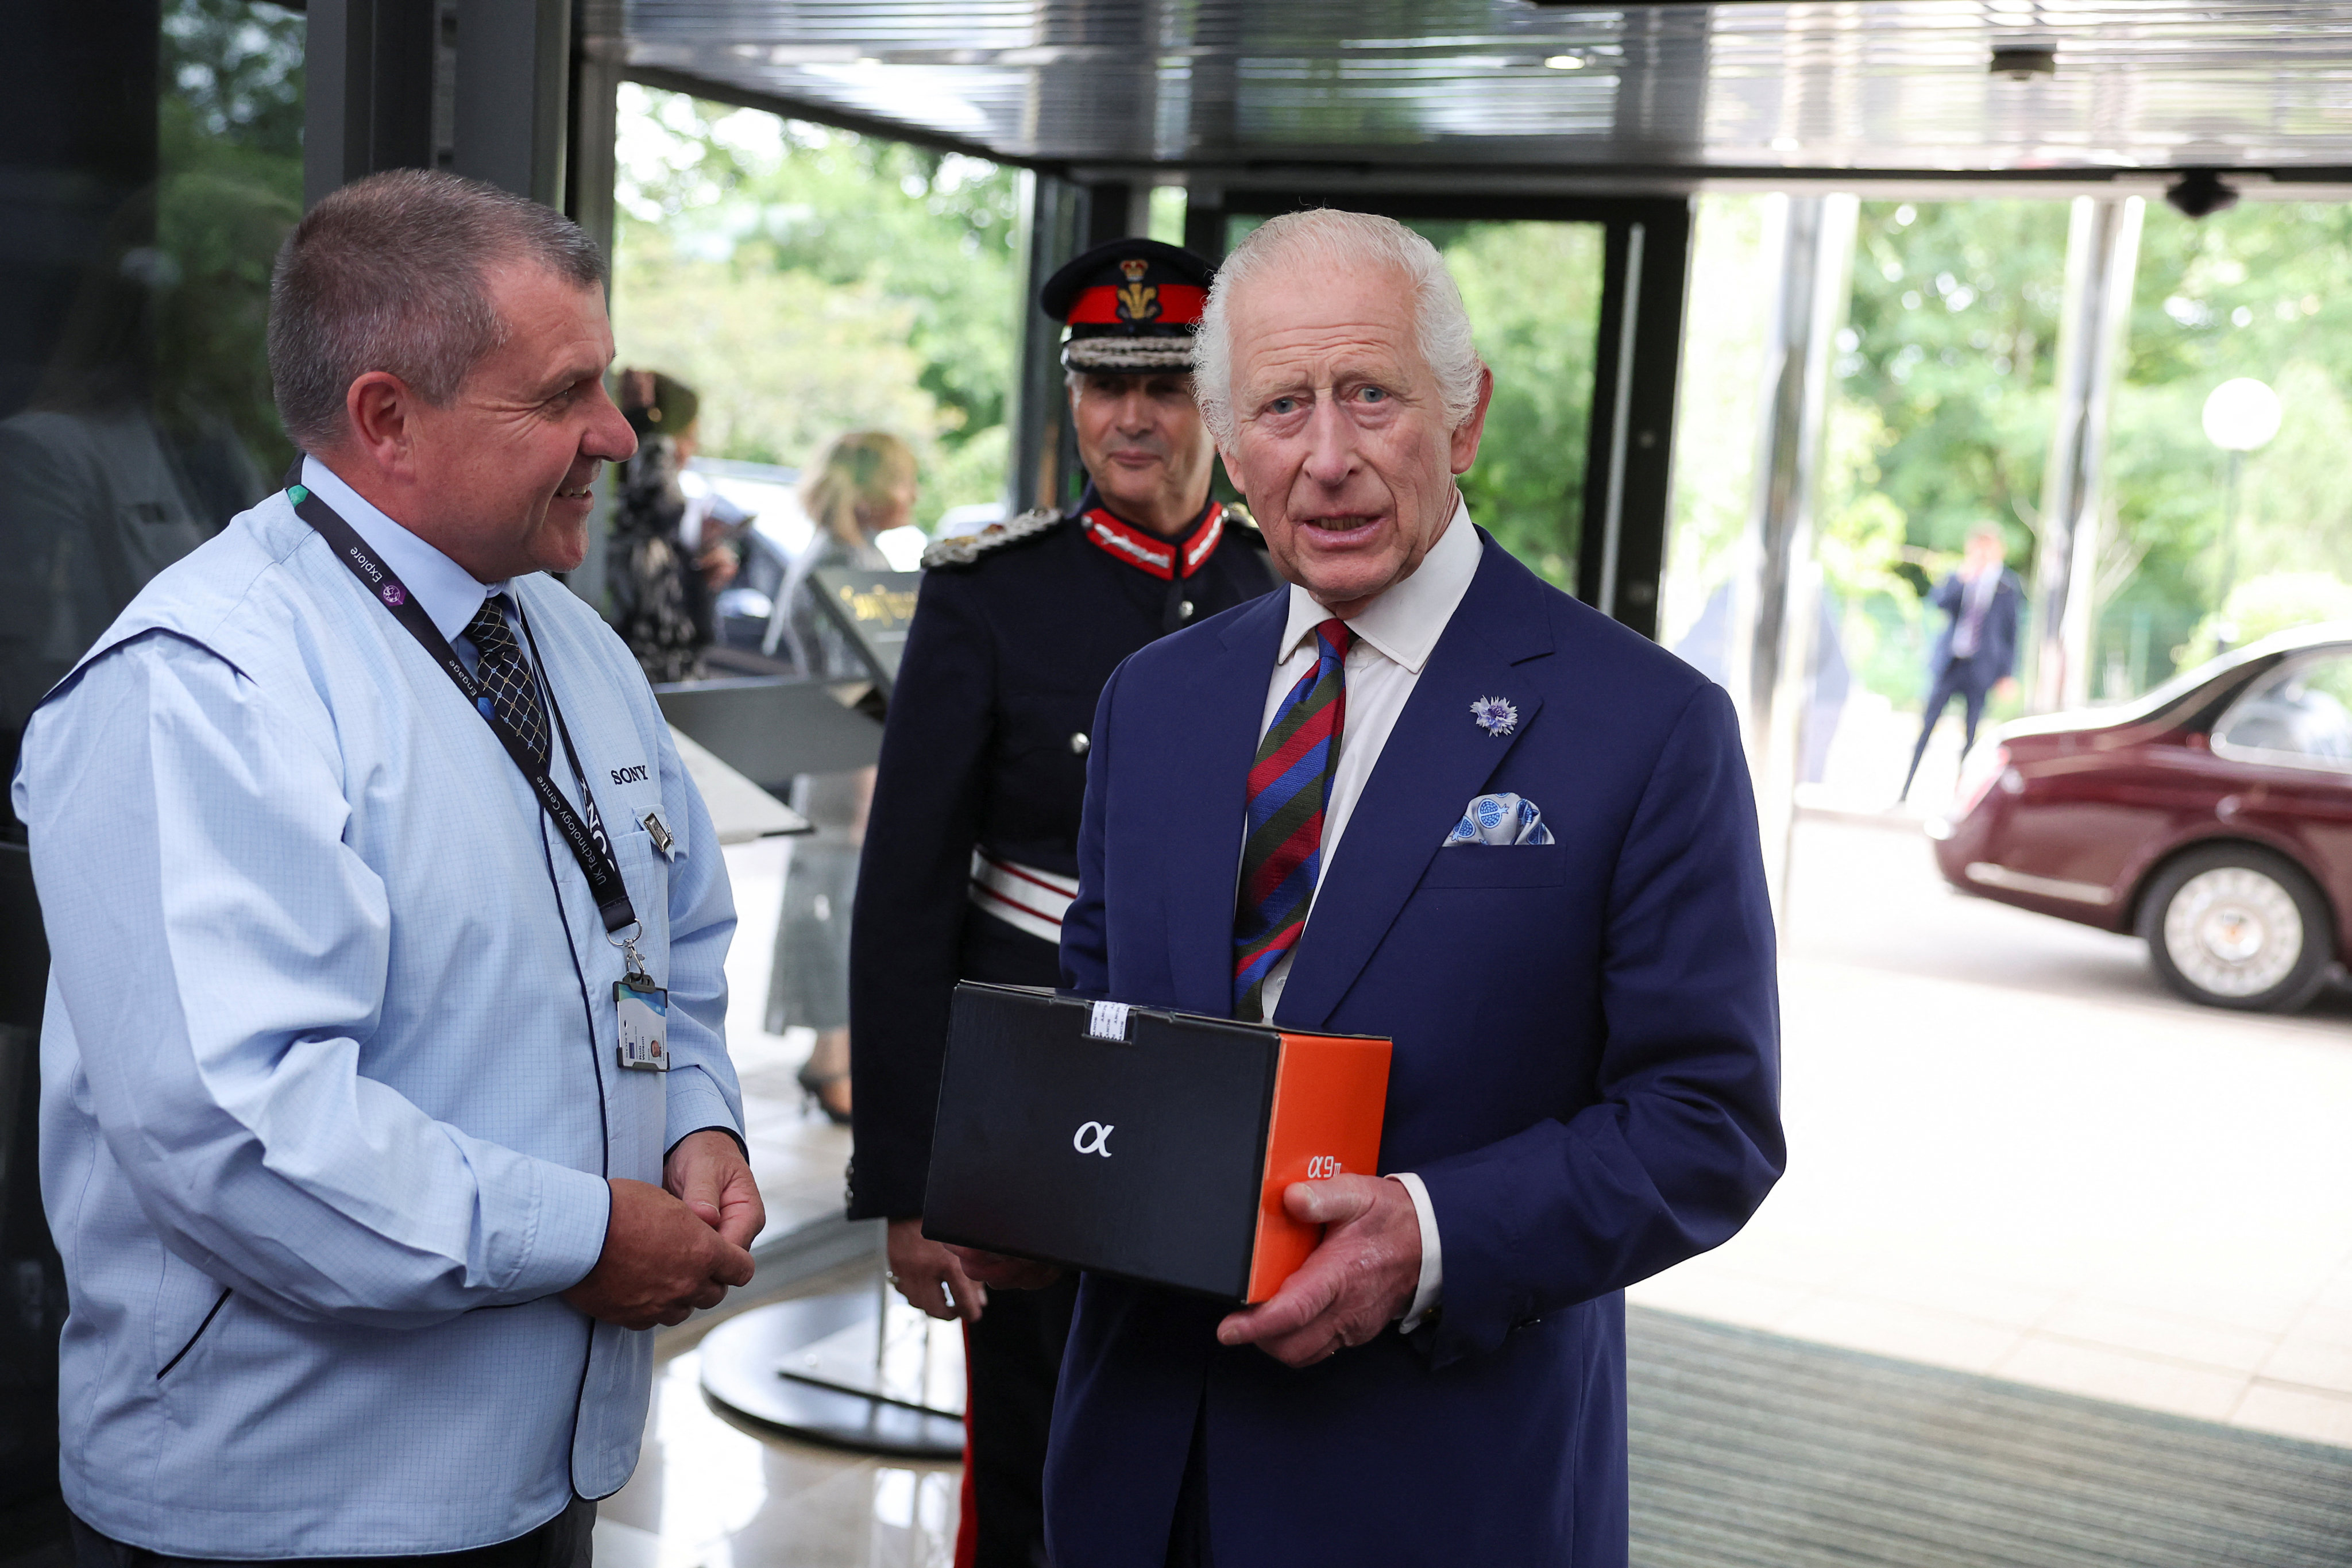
1139 302
1135 267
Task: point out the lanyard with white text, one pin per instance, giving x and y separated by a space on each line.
589 846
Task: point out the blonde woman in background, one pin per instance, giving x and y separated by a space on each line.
863 485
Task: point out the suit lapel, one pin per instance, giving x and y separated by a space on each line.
1210 752
1436 760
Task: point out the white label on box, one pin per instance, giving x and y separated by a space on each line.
1109 1021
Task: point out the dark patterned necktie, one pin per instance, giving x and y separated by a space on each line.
1289 786
507 684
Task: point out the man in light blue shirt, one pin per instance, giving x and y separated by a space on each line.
363 1211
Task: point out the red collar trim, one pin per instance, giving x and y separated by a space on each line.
1149 551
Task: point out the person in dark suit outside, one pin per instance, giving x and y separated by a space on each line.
1422 795
971 849
1975 655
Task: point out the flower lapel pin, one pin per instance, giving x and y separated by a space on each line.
1494 715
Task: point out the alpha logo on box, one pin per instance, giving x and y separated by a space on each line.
1213 1120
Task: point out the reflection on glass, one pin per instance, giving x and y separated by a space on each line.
2227 530
713 1490
713 1475
140 420
2299 714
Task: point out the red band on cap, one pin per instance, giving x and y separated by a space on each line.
1145 304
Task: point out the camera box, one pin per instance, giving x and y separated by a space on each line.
1141 1142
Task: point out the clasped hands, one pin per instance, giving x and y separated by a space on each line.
1360 1279
678 1247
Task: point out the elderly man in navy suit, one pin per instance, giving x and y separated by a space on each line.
1422 795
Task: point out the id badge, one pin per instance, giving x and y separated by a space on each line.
644 1009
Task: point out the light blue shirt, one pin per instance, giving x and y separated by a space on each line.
329 1065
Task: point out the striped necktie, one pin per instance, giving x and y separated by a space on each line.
1289 787
506 678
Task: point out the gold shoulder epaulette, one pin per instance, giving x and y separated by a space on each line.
966 548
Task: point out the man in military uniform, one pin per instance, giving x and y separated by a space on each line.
971 844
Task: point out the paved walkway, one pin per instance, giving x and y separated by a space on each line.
2015 1153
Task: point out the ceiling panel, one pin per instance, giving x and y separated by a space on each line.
1896 85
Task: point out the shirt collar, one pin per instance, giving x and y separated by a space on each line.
448 593
1405 622
1165 559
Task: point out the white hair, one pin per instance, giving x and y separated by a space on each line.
1331 240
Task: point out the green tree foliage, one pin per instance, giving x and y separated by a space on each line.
1951 340
808 280
1533 292
2256 291
2273 603
229 189
236 68
1941 418
1952 346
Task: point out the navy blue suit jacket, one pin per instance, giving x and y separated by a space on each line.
1996 654
1585 1076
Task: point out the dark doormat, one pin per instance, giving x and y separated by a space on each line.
1754 1451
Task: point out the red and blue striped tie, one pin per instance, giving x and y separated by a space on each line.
1289 787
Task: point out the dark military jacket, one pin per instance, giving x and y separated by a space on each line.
1016 630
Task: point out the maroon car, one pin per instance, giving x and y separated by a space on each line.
2213 817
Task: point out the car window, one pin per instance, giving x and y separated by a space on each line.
2301 712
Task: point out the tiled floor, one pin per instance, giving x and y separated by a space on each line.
714 1493
797 1154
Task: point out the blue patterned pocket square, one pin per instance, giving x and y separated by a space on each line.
1502 819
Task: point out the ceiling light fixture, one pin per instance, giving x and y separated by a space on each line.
1566 62
2023 62
2201 193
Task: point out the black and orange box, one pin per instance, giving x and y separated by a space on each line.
1140 1142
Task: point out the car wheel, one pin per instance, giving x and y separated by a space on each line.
2237 926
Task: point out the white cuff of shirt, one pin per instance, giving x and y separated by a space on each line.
1431 1284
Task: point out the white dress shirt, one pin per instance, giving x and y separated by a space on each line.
1394 636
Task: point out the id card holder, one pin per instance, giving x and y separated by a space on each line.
644 1010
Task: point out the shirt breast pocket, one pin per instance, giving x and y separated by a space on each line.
647 875
1497 865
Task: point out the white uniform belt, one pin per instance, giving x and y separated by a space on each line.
1021 896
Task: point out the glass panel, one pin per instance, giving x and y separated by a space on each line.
1716 399
807 280
1533 291
2232 526
1941 416
135 415
2302 712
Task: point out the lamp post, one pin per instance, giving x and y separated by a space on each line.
2242 415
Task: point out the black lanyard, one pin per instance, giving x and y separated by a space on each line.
589 846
